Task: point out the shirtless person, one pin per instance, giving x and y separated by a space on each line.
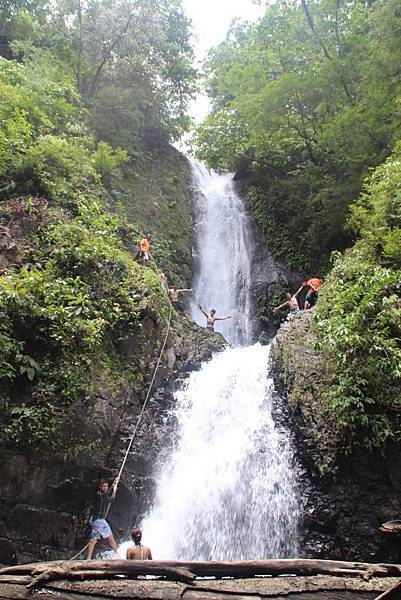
292 302
173 292
138 552
211 319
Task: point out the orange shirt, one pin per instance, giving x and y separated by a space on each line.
145 245
314 283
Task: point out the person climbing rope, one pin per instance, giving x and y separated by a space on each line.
313 292
144 249
99 525
138 551
173 292
291 302
211 319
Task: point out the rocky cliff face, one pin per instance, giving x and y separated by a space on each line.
347 498
43 499
271 278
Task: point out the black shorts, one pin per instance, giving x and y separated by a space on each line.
179 307
311 297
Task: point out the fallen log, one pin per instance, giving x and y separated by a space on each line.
218 569
65 572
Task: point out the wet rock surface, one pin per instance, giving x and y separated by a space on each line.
44 499
346 498
268 275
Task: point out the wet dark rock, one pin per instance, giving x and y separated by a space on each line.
346 498
268 275
44 499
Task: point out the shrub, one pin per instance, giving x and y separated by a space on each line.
359 316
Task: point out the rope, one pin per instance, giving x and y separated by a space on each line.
147 395
128 450
80 552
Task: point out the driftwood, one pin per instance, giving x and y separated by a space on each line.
65 572
186 571
236 569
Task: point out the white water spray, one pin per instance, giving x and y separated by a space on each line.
228 488
228 491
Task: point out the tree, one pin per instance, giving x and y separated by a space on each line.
311 95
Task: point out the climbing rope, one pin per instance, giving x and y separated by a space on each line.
132 437
147 396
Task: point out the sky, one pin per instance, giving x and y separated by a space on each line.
211 20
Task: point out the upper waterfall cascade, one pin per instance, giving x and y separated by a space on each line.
223 253
227 489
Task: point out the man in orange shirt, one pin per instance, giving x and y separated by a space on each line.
313 291
145 249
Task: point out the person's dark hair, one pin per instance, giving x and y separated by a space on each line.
136 534
213 312
102 481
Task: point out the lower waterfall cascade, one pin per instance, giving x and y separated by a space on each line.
228 491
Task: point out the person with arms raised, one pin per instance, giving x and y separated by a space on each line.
211 318
173 293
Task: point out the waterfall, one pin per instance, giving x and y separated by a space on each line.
223 251
227 488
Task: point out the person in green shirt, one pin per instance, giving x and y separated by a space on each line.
99 525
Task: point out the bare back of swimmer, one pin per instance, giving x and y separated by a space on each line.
138 551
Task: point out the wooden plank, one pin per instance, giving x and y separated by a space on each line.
64 572
16 592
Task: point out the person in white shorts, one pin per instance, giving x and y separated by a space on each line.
99 526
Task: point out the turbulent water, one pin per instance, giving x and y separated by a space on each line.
228 488
228 491
223 254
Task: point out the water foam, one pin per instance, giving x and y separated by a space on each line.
228 491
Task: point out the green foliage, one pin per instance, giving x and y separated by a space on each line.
74 293
302 114
359 317
154 193
83 291
131 61
106 159
98 89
